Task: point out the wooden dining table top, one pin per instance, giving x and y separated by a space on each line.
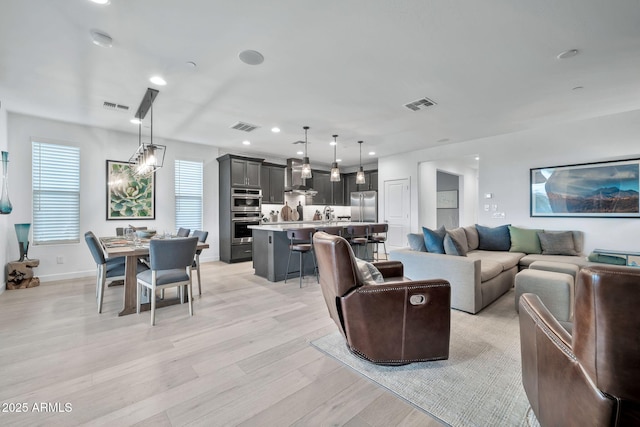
120 246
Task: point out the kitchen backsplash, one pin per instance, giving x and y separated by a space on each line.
307 210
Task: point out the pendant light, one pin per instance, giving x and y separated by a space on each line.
360 174
149 157
306 167
335 171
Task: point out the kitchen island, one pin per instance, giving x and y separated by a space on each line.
271 248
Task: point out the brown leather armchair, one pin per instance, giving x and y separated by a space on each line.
391 323
590 377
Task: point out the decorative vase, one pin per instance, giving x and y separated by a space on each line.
22 231
5 203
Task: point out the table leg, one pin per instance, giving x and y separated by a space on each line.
130 283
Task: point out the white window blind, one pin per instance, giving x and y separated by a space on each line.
188 185
56 193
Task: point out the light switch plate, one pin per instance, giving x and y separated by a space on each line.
499 215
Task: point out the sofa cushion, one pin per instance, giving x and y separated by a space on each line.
506 259
434 239
494 238
489 269
524 240
416 242
557 243
472 237
455 242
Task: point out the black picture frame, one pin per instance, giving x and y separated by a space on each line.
608 189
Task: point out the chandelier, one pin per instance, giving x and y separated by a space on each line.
148 157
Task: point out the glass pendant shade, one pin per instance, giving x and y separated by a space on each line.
5 203
335 171
360 174
306 166
148 157
22 232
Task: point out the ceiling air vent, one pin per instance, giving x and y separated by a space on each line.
245 127
420 104
113 106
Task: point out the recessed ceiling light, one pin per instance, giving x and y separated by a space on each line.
191 64
299 153
100 1
333 143
338 160
245 142
477 158
443 140
372 153
135 121
101 39
251 57
568 54
157 80
578 88
275 129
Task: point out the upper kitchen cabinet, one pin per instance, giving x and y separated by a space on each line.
321 182
245 171
337 193
370 183
272 180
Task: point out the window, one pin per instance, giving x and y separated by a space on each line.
56 193
188 195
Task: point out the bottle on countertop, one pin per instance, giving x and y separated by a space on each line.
300 210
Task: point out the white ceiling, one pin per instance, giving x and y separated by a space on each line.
342 67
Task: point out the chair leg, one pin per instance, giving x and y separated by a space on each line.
190 294
103 281
198 271
138 297
386 255
301 270
286 273
315 266
153 305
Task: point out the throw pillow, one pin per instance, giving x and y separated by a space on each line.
455 242
434 239
524 240
370 274
607 259
472 237
559 243
416 242
494 238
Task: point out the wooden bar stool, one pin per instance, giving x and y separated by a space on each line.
301 241
358 238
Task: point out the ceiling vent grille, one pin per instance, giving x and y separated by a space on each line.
245 127
420 104
115 107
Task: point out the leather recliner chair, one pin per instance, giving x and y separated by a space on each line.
391 323
590 377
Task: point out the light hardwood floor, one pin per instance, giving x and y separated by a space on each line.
244 358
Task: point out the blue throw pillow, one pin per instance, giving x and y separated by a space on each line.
494 238
434 239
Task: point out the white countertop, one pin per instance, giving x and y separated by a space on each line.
293 225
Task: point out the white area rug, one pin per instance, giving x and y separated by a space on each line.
479 385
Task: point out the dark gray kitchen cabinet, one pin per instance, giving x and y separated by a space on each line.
245 173
272 180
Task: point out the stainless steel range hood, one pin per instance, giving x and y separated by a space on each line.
294 183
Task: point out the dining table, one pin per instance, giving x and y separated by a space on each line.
117 246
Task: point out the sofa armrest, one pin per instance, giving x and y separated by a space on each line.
461 272
390 268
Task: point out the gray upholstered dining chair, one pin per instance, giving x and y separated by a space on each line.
183 232
171 261
112 268
202 237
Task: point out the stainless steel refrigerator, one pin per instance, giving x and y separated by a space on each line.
364 206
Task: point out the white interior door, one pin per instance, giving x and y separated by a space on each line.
397 208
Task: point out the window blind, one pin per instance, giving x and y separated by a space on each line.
188 185
56 193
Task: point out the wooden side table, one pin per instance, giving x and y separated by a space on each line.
20 274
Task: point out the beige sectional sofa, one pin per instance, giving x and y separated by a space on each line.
481 276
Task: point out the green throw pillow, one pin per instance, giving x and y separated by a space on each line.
525 240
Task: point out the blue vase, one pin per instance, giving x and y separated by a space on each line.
22 231
5 203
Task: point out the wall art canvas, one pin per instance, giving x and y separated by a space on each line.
129 196
604 189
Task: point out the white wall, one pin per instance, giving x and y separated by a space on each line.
96 146
505 161
4 219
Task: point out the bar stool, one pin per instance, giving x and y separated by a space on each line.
359 237
377 236
301 241
333 230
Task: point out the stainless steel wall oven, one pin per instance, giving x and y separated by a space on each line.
246 200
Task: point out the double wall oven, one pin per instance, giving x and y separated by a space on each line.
246 204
